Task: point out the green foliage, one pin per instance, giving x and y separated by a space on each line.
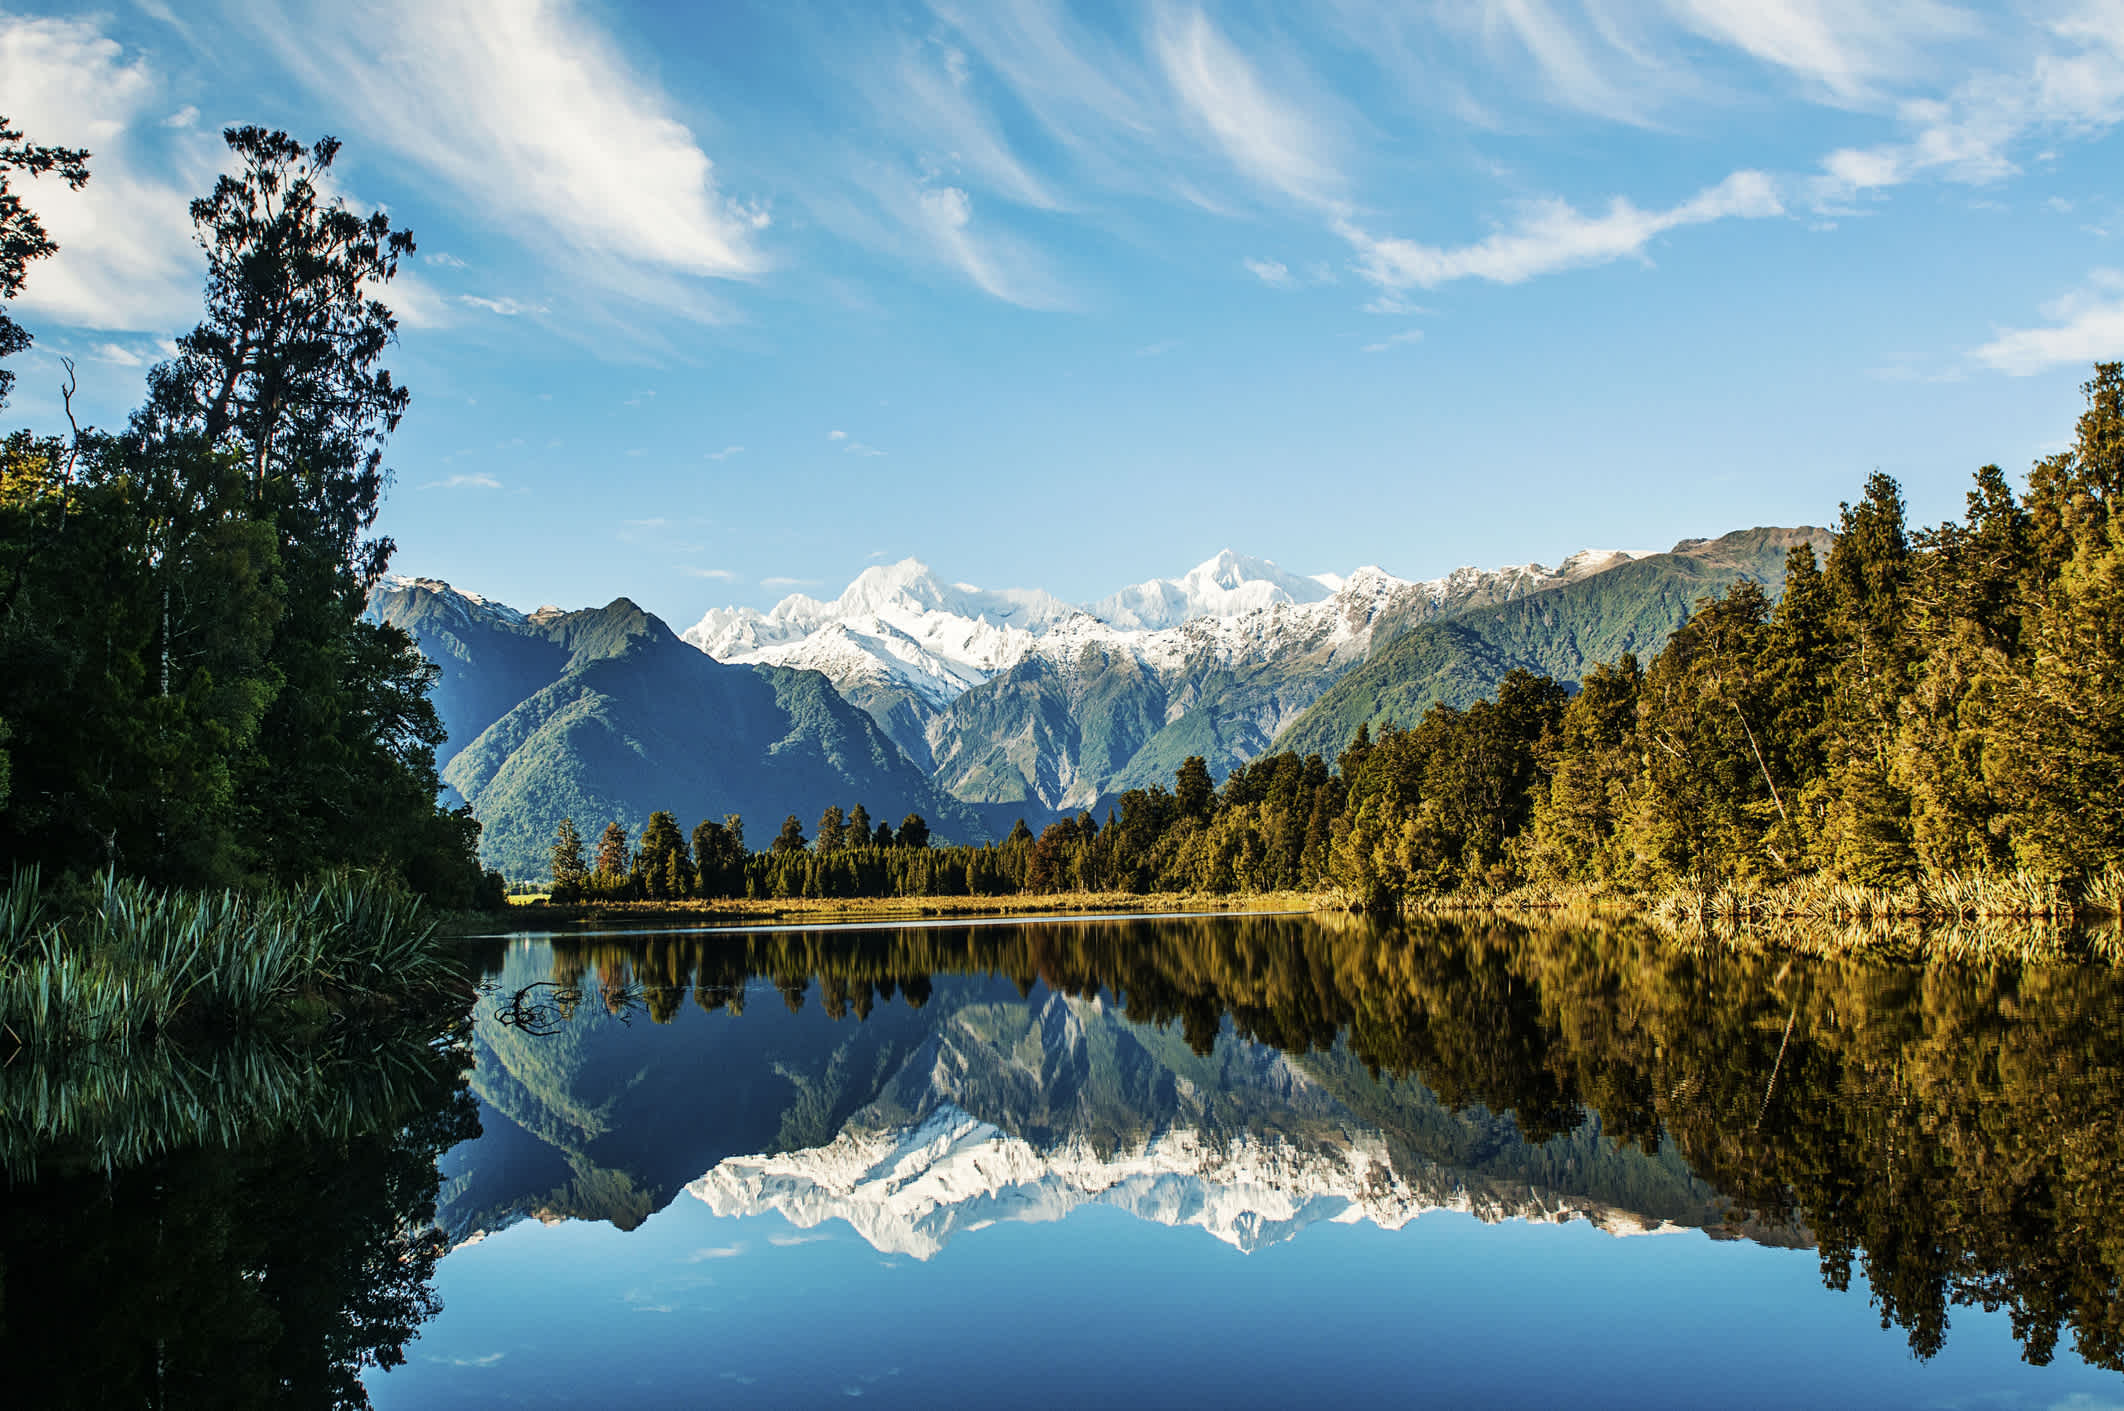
1925 707
1561 632
22 236
193 695
130 962
606 713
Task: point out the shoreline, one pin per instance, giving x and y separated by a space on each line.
768 913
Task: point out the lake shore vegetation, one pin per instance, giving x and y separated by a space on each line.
1924 724
202 735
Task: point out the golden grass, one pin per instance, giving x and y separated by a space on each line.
746 909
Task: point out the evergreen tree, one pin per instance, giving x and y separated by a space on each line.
569 868
858 835
832 830
22 236
914 831
791 838
612 857
1192 788
661 865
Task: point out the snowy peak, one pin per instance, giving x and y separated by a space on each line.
937 1155
455 601
1225 586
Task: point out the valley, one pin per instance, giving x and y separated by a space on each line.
976 708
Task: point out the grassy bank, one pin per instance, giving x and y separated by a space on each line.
121 962
537 911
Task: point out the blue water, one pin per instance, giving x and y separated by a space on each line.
552 1302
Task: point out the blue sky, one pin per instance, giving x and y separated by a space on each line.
714 302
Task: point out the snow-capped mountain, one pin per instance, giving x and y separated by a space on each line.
896 620
1225 586
911 1190
922 1164
907 647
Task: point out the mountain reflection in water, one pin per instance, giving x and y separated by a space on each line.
1948 1134
255 1225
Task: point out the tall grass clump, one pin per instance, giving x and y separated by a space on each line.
129 961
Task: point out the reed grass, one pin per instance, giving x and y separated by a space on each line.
134 962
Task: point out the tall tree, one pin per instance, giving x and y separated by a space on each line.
570 869
22 235
833 830
612 856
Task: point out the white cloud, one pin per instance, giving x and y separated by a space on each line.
720 575
1158 349
2086 326
726 453
1273 273
837 436
997 265
534 118
1396 340
937 98
507 308
2073 86
1553 235
1846 46
728 1251
789 582
115 353
186 116
464 482
443 258
126 258
415 302
1269 138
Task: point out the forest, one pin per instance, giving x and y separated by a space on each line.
189 693
1937 709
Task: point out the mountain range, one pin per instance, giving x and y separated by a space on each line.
918 1125
976 707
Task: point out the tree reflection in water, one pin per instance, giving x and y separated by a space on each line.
1948 1132
249 1226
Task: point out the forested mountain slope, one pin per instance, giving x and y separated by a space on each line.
605 714
1560 632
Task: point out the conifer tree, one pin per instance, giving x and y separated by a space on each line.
22 236
914 831
791 838
569 867
833 830
612 857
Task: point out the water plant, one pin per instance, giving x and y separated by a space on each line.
130 961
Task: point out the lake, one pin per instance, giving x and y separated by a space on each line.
1244 1161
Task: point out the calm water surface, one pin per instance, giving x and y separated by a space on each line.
1239 1161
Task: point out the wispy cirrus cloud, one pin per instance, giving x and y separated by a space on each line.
1272 139
470 481
1395 340
778 582
726 453
1553 235
126 259
535 119
2085 326
719 575
1274 273
2070 86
